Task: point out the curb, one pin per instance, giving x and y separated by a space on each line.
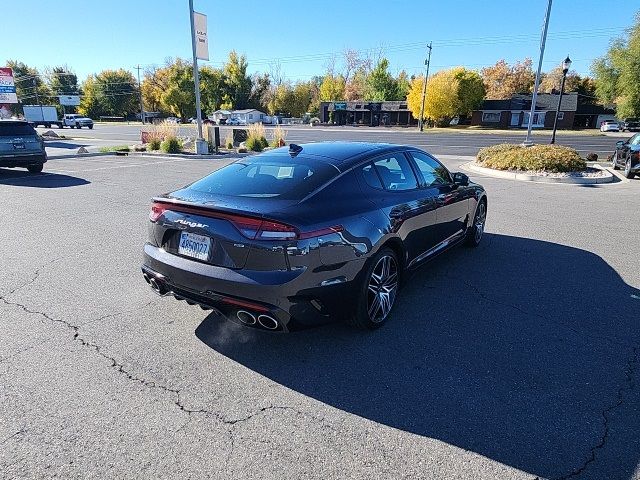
190 156
81 155
608 178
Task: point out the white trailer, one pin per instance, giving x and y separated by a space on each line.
45 115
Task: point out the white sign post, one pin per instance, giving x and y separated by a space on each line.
202 147
7 86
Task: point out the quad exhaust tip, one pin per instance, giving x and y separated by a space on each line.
268 322
245 317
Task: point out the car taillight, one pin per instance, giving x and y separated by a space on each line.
157 209
320 232
276 231
247 226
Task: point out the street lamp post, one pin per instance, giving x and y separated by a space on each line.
543 39
565 68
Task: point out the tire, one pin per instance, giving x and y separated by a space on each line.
614 161
378 290
90 127
476 231
78 126
627 170
37 168
47 125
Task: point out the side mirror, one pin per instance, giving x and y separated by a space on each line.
620 143
461 179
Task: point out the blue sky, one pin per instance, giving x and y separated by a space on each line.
90 36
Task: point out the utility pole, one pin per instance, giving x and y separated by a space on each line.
35 86
140 95
201 145
424 88
534 98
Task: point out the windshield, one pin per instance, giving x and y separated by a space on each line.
268 176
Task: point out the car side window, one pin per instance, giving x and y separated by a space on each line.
396 173
433 172
635 140
371 177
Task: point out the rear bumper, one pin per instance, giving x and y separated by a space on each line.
22 160
295 298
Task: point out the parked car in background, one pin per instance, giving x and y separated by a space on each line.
21 146
172 120
78 121
233 121
631 125
280 240
627 156
610 126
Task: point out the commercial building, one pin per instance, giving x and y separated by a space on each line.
576 111
366 113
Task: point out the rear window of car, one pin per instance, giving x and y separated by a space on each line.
270 176
16 129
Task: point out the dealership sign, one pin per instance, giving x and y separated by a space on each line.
202 43
7 86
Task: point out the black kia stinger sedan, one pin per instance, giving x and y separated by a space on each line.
305 234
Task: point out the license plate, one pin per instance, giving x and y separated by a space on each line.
195 246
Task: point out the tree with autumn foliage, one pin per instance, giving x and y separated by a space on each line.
450 93
552 81
502 80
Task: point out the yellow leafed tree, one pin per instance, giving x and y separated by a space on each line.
441 100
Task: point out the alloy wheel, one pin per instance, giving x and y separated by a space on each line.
481 217
627 167
382 288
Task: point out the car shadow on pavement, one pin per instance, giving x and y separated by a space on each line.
65 144
22 178
523 351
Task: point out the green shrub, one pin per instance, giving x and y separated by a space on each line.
264 142
154 144
539 158
117 148
171 145
254 144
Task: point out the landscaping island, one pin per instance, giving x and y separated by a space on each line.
550 163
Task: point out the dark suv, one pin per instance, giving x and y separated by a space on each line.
627 156
631 125
21 146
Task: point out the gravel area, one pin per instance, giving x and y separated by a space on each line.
590 172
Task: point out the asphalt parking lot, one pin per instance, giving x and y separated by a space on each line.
515 360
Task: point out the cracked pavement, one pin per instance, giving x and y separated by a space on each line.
516 360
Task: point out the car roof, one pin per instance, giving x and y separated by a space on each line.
341 154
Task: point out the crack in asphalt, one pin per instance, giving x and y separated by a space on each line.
626 386
177 393
19 432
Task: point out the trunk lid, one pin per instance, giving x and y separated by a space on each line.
215 229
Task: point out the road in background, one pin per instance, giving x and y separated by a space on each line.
458 143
